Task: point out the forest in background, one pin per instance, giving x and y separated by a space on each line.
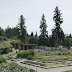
56 39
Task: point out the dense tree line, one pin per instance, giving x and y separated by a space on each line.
57 38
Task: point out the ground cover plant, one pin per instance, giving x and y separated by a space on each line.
14 67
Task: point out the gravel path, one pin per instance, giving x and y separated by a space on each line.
58 69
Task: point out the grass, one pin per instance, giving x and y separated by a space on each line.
68 71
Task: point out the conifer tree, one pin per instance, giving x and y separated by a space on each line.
22 29
57 32
36 34
44 33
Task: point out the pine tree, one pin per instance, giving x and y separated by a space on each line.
32 34
22 29
57 32
44 33
36 34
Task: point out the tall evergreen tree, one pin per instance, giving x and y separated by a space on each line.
22 29
36 34
44 33
32 34
57 32
70 35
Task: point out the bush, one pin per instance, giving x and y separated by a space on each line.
4 50
5 47
25 53
30 57
2 59
13 67
31 52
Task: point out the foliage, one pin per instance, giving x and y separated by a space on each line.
12 32
13 67
5 47
36 35
57 32
2 59
44 33
2 32
25 53
30 57
32 34
8 55
33 40
65 52
22 29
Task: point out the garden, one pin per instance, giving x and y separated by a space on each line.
14 67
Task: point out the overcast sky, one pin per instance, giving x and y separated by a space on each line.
32 10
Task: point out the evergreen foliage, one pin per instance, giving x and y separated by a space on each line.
22 29
32 34
2 32
57 32
44 33
36 35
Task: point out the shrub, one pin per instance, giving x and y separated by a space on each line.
2 59
31 52
13 67
30 57
4 50
25 53
5 47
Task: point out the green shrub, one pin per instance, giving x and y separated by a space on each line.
25 53
31 52
13 67
2 59
4 50
30 57
5 47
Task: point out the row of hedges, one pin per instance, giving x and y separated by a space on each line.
65 53
26 54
